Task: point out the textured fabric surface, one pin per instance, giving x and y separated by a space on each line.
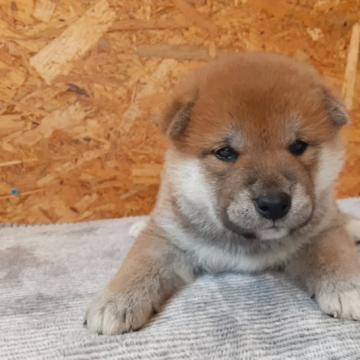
49 274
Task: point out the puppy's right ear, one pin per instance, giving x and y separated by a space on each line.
335 108
177 113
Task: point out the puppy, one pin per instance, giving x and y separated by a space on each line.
248 185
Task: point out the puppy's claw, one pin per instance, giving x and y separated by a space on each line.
340 300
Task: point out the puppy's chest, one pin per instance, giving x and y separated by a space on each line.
216 259
213 249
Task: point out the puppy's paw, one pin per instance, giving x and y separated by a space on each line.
340 299
118 313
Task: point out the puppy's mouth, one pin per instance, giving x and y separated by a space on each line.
273 232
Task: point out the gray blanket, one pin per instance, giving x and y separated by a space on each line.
49 274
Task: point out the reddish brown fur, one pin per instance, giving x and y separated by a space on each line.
271 101
259 104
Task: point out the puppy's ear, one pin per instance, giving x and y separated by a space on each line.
177 113
335 108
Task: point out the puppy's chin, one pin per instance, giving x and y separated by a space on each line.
268 234
272 234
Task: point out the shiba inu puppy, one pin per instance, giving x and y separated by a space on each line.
248 185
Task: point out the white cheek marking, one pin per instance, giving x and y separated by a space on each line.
330 164
189 181
301 208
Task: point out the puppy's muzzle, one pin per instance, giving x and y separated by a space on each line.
273 206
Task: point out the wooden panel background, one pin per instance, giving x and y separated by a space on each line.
81 82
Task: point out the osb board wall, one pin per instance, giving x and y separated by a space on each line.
81 81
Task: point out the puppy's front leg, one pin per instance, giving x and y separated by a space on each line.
152 272
330 269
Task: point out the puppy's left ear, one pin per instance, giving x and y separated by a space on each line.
335 108
177 114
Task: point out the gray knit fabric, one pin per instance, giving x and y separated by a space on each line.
49 274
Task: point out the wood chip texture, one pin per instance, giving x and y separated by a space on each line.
82 82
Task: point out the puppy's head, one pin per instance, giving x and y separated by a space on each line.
256 143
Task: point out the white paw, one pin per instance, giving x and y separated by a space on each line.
137 228
341 300
117 313
353 227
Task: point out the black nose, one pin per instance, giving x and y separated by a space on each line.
273 206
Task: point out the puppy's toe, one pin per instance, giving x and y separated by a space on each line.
340 300
116 313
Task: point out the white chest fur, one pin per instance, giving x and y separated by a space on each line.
218 258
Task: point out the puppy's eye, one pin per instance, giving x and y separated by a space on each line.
298 147
227 154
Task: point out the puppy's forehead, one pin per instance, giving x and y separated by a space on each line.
264 86
259 100
259 72
267 94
